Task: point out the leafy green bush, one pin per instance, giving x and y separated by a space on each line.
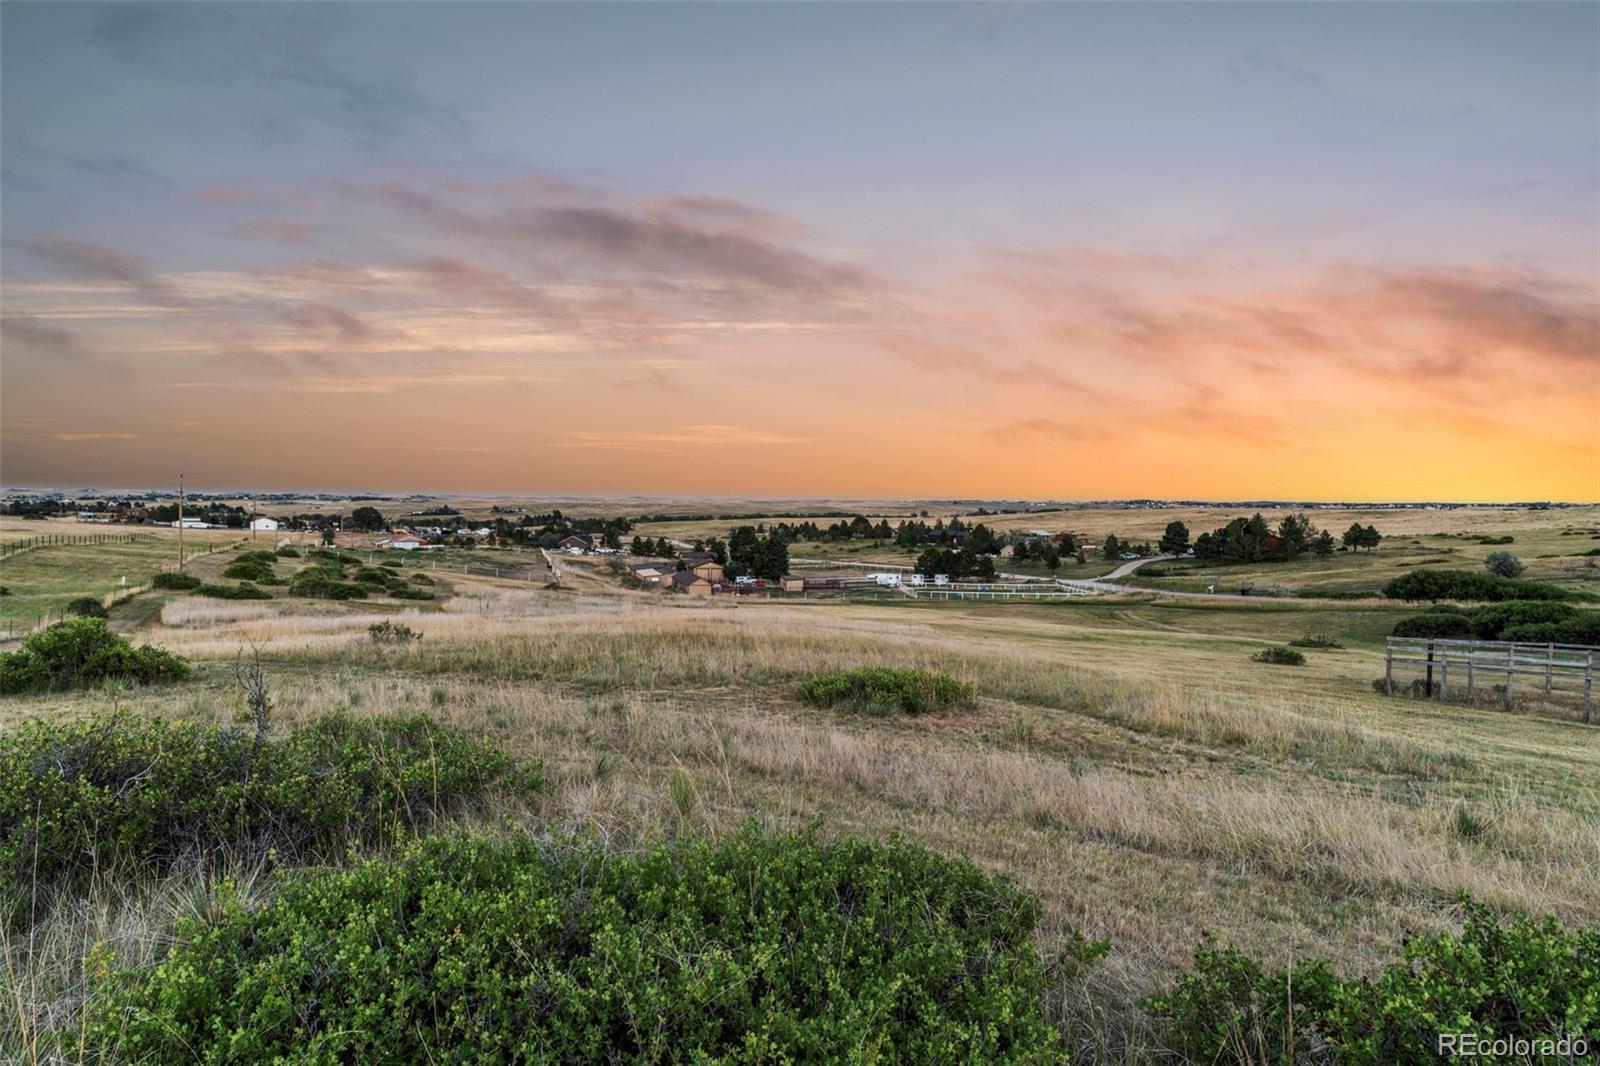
1467 585
180 581
249 570
1506 539
884 690
769 948
1315 640
1279 655
263 556
1524 978
325 584
288 552
87 607
80 653
421 579
1504 564
1435 626
245 591
1582 628
401 591
119 789
1491 622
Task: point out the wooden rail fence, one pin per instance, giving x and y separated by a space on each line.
1469 666
50 540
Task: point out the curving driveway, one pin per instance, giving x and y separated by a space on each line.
1109 584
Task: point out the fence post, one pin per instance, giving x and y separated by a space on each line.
1444 675
1471 659
1388 667
1430 668
1549 665
1588 688
1511 651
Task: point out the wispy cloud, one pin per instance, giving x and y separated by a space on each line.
697 435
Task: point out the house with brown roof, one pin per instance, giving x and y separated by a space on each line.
691 583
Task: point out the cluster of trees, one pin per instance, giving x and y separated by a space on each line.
957 563
1114 546
1251 540
1046 552
658 546
1360 536
751 555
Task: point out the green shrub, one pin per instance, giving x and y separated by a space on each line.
1315 640
245 591
757 948
326 585
258 555
1582 628
883 690
1467 585
288 552
1279 655
1504 564
249 570
387 632
401 591
87 607
421 579
179 581
1491 622
1506 539
1523 978
1435 626
80 653
146 792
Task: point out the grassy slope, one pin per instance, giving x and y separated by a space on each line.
1126 761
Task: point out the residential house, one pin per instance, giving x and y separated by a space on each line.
653 573
262 522
405 542
575 542
687 581
709 569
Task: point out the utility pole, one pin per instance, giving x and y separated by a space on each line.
252 520
180 521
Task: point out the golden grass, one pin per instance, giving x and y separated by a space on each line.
1126 763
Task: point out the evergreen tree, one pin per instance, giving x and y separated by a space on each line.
1175 540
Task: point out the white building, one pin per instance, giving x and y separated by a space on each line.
187 522
262 522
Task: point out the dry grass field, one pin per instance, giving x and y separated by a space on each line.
1125 759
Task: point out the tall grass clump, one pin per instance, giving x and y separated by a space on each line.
886 690
83 652
756 947
119 791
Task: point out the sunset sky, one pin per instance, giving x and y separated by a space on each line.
1075 251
